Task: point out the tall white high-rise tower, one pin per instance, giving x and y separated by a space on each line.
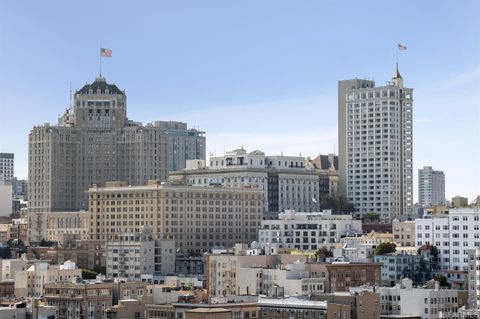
375 146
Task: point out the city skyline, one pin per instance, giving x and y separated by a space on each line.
246 77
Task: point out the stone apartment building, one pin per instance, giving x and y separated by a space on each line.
31 282
198 218
288 182
224 272
93 142
341 276
362 304
55 226
138 256
183 143
404 233
80 300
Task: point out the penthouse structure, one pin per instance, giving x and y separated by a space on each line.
198 218
92 142
307 231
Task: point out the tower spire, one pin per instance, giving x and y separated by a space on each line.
397 78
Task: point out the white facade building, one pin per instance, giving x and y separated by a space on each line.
138 256
431 187
474 278
375 146
293 280
307 231
453 234
285 180
6 166
426 303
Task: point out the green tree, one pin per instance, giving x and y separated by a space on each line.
338 204
46 243
100 270
89 274
323 253
442 280
385 248
370 217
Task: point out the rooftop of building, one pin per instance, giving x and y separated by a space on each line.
101 86
292 302
153 184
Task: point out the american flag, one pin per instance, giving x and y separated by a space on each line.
402 47
106 53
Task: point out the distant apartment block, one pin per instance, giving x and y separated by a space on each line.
77 300
454 234
404 301
307 231
474 278
397 266
431 187
138 256
375 146
6 166
93 142
6 202
31 282
20 188
403 233
183 143
288 182
197 218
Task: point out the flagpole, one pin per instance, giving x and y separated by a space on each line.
396 52
100 57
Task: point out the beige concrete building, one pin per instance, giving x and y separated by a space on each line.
93 142
363 304
31 282
17 229
53 226
237 310
286 181
79 300
341 276
299 308
229 274
9 267
84 253
198 218
164 311
138 256
459 202
404 233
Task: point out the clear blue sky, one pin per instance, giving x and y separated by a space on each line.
262 74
